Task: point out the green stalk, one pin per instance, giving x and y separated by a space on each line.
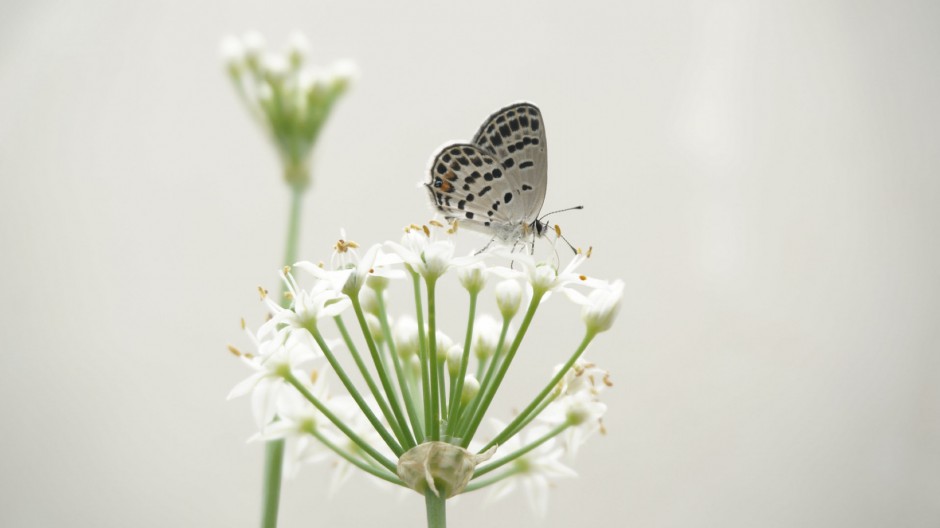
368 468
484 482
396 418
491 391
456 386
379 457
436 507
344 378
399 372
468 413
514 426
500 462
373 388
435 425
274 449
423 352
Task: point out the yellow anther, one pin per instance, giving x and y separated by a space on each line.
582 277
288 295
313 376
601 424
235 352
590 249
607 380
242 322
263 292
427 232
286 270
435 223
557 230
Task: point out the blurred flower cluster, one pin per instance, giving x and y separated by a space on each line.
394 395
290 98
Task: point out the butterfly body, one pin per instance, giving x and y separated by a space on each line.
496 183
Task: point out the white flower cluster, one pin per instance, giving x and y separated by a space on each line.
289 97
407 385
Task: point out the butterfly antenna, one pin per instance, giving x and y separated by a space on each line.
546 215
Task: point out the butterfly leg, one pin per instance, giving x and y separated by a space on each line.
487 246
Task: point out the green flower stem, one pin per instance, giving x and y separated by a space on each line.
395 416
422 342
500 462
273 464
456 386
485 381
274 449
435 425
482 483
399 372
504 366
442 388
534 414
379 457
436 507
364 370
373 419
368 468
514 426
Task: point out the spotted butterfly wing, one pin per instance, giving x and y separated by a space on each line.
498 182
516 136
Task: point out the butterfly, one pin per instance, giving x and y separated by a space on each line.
496 183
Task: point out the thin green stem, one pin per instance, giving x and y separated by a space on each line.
379 457
370 382
399 372
456 386
274 449
423 354
437 510
395 417
435 425
500 462
273 463
534 414
468 414
504 366
514 426
351 388
484 482
365 466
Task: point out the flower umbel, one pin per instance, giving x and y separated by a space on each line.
290 98
427 392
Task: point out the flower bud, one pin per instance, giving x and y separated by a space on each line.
471 387
405 335
508 298
370 304
543 278
298 47
375 326
454 357
377 282
473 277
443 345
485 336
602 306
442 468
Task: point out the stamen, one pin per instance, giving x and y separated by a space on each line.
235 352
427 232
607 380
314 375
243 323
435 223
263 292
582 277
558 230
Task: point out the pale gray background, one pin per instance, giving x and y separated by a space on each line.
762 176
